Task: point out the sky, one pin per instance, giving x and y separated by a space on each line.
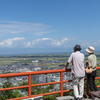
48 26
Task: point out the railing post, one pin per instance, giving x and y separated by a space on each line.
87 87
29 83
61 85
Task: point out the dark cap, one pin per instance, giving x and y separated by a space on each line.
77 47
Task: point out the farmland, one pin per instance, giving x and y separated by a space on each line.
51 60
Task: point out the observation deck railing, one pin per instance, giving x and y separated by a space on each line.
29 86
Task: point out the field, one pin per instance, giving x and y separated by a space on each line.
5 60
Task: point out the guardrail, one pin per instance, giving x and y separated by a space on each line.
29 86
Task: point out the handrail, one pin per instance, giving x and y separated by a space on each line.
33 73
29 86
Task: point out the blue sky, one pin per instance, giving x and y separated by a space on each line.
48 26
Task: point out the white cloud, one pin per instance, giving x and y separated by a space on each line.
41 40
48 42
59 43
56 43
33 43
46 39
28 44
11 42
2 43
37 43
13 27
64 40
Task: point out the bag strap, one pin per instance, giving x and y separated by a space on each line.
89 64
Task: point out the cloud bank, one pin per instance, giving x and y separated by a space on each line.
14 42
37 43
21 42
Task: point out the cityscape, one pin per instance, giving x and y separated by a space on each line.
32 63
20 67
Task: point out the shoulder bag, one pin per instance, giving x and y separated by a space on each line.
88 68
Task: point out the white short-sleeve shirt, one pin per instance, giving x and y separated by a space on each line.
77 60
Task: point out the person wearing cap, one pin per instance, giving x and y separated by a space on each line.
93 61
78 72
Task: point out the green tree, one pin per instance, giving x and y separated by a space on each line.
8 94
22 83
44 89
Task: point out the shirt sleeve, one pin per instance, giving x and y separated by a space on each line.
70 58
89 59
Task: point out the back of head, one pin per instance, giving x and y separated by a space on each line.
77 48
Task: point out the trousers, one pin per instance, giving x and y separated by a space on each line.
91 80
78 82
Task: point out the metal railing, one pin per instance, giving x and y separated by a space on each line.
29 86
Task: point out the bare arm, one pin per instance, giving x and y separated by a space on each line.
66 65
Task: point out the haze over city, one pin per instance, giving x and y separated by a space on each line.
48 26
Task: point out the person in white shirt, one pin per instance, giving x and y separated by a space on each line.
78 72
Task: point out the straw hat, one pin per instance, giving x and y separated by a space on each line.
90 49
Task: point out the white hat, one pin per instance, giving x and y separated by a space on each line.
90 49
